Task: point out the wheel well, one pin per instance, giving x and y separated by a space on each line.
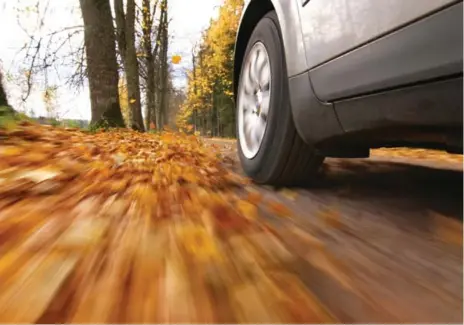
254 12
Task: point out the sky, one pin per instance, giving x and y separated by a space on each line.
188 19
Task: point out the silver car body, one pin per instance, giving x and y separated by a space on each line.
337 50
336 26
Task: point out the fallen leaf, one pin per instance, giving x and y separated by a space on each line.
447 229
10 151
198 242
279 209
331 217
248 210
289 194
254 197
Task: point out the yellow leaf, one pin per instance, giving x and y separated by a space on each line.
10 151
198 242
247 209
289 194
279 209
176 59
132 100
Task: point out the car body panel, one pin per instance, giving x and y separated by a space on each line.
314 120
433 104
295 52
426 49
286 11
333 27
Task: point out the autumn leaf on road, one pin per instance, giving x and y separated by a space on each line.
330 217
254 197
289 194
248 210
279 209
95 202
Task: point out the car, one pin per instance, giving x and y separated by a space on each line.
335 78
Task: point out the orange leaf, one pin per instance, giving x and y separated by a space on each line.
176 59
279 209
247 209
331 217
254 197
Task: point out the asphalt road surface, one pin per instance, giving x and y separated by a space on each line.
378 239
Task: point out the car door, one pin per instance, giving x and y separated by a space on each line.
332 28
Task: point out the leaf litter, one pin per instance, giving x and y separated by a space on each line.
128 227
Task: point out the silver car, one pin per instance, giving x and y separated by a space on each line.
334 78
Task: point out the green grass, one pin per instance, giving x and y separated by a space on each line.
9 117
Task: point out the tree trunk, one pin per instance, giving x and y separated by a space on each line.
3 97
125 25
156 60
164 67
158 87
150 55
218 120
194 90
101 62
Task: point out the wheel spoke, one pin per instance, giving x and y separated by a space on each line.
248 130
259 66
254 136
247 103
250 123
248 82
264 76
265 103
248 118
260 126
251 73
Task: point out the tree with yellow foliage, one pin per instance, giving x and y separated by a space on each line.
209 104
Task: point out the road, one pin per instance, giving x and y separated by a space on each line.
377 240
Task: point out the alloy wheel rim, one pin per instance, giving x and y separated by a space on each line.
254 100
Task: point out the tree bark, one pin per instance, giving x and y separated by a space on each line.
3 97
164 67
125 31
150 55
194 67
101 62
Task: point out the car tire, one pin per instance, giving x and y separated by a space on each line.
283 158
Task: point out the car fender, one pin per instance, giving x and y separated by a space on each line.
314 120
288 15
